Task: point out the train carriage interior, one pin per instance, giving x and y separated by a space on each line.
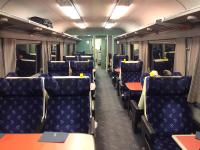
100 75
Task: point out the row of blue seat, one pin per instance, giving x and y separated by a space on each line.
24 108
78 58
62 68
166 110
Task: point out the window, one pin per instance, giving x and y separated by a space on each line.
55 52
161 56
28 59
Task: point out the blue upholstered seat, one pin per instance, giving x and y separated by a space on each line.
130 72
86 58
12 74
70 58
167 109
117 60
68 108
21 105
85 67
58 68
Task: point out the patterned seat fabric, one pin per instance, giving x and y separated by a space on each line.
143 77
167 108
117 60
68 108
21 105
165 143
85 67
176 74
58 68
130 72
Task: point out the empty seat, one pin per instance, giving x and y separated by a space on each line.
117 60
21 104
70 58
86 58
85 67
167 111
26 67
68 108
58 68
130 72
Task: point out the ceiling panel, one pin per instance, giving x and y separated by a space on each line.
95 12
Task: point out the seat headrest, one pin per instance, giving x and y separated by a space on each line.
68 86
29 87
170 86
82 65
58 66
131 67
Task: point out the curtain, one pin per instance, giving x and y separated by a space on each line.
9 51
144 55
193 55
45 57
180 56
49 50
61 50
2 68
194 94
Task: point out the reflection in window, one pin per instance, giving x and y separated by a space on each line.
55 52
161 56
134 51
27 59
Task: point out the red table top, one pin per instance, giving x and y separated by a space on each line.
134 86
74 141
187 142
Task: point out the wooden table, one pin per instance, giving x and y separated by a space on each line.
187 142
134 86
75 141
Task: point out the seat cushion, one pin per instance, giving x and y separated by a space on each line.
164 143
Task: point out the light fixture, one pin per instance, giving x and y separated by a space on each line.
37 29
3 19
81 25
70 11
118 12
149 29
109 25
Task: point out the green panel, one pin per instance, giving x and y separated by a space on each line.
85 45
95 31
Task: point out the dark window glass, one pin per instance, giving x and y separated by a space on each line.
28 59
55 52
161 56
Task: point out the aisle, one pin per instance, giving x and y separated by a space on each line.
114 130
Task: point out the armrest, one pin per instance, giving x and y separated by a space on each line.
147 130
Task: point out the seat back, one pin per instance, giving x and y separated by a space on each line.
68 108
117 60
166 104
70 58
160 65
131 71
86 58
85 67
58 68
21 104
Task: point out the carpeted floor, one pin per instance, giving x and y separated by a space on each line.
114 130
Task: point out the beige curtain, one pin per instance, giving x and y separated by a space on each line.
2 68
61 50
193 55
49 50
144 55
180 56
194 94
9 51
45 57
